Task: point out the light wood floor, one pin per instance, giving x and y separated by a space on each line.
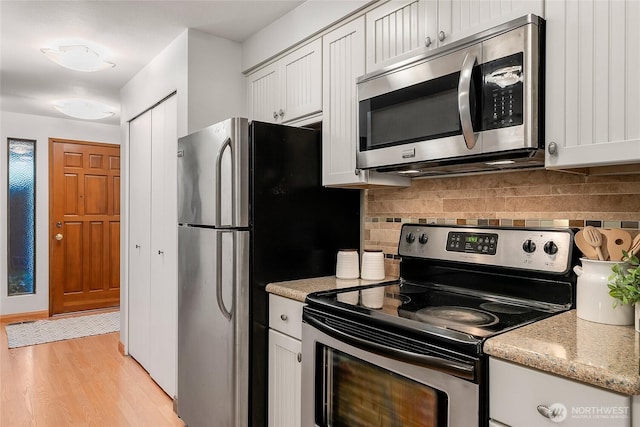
79 382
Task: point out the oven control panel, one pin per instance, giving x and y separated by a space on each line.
547 250
474 243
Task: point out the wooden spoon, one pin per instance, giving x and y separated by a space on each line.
635 245
587 250
616 241
594 238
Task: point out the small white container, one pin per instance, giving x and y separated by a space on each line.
372 265
347 264
593 301
373 297
348 297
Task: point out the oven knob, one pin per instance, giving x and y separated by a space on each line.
529 246
550 248
423 239
410 238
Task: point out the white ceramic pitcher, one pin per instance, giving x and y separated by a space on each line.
593 301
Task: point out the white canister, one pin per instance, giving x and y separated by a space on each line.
372 265
593 301
348 264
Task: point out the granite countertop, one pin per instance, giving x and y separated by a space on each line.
601 355
299 289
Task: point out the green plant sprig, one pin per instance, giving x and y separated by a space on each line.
624 283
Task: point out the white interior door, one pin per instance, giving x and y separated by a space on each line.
163 297
139 237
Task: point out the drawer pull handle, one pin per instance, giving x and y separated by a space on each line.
554 412
299 357
284 317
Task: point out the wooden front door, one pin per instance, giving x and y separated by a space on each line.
84 213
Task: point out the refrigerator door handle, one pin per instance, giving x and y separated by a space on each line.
226 144
228 314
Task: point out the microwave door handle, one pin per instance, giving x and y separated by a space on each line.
464 100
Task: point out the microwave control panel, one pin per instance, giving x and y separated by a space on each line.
503 89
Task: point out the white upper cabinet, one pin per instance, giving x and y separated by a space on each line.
394 29
592 86
343 62
397 30
458 19
263 90
288 89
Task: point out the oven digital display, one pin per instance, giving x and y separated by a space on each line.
473 243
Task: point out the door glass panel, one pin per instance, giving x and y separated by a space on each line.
359 394
21 211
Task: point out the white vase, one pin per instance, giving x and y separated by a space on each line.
637 322
593 301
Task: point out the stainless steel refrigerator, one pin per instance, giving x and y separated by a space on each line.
251 210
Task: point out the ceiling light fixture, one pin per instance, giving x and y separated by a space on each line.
77 57
83 109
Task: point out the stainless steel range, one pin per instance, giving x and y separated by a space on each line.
418 360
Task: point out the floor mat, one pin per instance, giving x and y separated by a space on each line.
44 331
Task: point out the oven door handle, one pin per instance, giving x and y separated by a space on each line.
464 100
459 369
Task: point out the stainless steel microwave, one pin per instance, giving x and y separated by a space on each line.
472 106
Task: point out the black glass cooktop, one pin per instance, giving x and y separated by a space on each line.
457 313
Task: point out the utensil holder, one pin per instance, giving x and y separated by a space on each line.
593 301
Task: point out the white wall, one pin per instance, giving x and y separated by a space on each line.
309 18
165 74
39 128
216 83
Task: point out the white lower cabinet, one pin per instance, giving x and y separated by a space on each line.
285 356
525 397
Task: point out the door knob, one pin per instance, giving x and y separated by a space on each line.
58 236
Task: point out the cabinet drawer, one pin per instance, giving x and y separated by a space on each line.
285 315
576 404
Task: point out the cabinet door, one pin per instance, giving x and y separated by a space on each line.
592 85
163 298
263 93
139 237
343 62
395 29
285 381
575 404
461 18
301 82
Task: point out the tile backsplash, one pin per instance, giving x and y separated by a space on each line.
538 198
